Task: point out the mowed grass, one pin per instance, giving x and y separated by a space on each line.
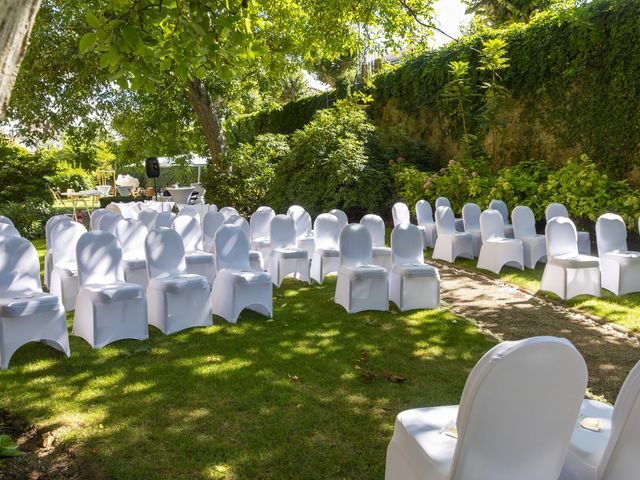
263 399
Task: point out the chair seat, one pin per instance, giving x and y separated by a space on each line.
575 261
587 447
69 269
134 263
261 241
328 252
198 258
363 272
290 252
113 292
502 241
533 238
381 251
246 277
179 283
623 257
28 303
414 270
254 255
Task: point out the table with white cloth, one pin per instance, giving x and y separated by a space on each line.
181 195
82 195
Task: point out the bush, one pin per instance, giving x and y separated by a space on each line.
29 216
69 176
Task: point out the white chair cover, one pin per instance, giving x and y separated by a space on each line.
7 220
444 202
515 419
259 225
524 229
343 220
146 216
198 261
176 299
162 220
559 210
286 258
238 286
97 214
450 243
567 272
130 234
108 308
64 274
7 230
48 257
190 211
501 207
400 213
304 234
326 256
26 313
471 219
619 266
211 222
412 284
107 222
228 211
426 223
497 250
361 285
381 253
255 257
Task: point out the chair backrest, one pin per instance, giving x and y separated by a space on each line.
114 208
211 222
501 207
189 230
259 222
107 222
7 230
407 244
99 259
232 247
190 211
611 233
146 216
400 213
375 225
561 237
471 216
241 222
556 210
64 238
50 224
491 225
163 220
326 232
343 220
523 221
97 214
424 213
443 202
295 211
19 266
518 411
355 246
303 224
445 221
282 232
4 219
228 211
130 234
165 253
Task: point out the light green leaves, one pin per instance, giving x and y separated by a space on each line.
88 41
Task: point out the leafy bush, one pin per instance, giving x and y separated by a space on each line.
69 176
29 216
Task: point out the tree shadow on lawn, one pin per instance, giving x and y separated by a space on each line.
260 399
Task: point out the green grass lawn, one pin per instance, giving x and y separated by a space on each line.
264 398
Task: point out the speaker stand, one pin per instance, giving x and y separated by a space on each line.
155 189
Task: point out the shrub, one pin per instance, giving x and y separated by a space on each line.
69 176
29 216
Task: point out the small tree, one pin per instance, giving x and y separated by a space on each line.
457 95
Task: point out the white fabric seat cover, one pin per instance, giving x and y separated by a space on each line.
228 211
524 229
64 274
400 214
444 202
97 214
497 250
130 234
412 284
211 222
559 210
426 224
6 220
515 419
343 220
471 220
147 216
255 256
48 257
381 253
198 261
304 233
26 313
326 256
620 268
162 220
286 258
107 222
450 243
259 224
7 230
361 285
501 207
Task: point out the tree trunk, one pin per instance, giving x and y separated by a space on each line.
208 119
16 20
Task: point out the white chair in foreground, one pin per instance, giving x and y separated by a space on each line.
259 228
228 211
501 207
211 222
450 243
255 257
26 313
361 285
524 229
286 258
64 274
400 214
619 267
7 230
471 218
559 210
444 202
426 223
107 308
7 220
326 256
605 441
497 250
130 234
381 253
343 220
412 284
48 256
304 234
198 261
176 299
238 286
162 220
514 422
567 272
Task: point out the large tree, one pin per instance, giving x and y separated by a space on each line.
501 12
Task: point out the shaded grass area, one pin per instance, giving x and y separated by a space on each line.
263 398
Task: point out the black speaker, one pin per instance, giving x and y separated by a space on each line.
153 167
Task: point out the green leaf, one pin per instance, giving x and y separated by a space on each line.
165 64
226 73
131 36
201 72
87 42
94 21
123 83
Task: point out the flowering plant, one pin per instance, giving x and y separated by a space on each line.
127 181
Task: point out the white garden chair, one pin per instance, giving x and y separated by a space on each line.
501 207
568 273
524 229
343 220
304 233
176 299
426 223
400 214
190 211
444 202
514 422
97 214
107 222
450 243
381 253
259 224
108 308
238 286
326 256
228 211
471 218
48 256
64 274
198 261
211 222
147 216
7 230
412 284
361 285
7 220
162 220
255 257
619 266
286 258
26 313
498 250
131 234
559 210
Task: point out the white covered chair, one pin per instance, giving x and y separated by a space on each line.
471 218
191 211
381 253
7 220
400 214
97 214
304 233
343 220
559 210
326 256
198 261
228 211
176 299
64 274
107 222
255 257
450 243
146 216
619 266
514 422
412 284
524 229
7 230
130 234
48 256
26 313
162 220
108 308
426 224
259 228
568 273
610 450
238 286
211 222
498 250
361 285
501 207
444 202
286 258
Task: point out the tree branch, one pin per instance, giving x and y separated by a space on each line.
431 26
